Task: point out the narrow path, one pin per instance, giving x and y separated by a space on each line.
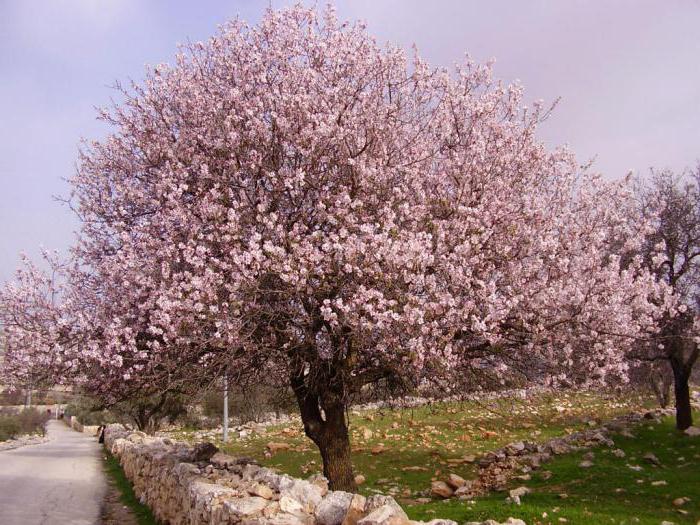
56 483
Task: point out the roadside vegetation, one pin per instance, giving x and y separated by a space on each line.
28 421
134 508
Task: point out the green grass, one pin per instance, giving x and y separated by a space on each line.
142 513
429 436
608 492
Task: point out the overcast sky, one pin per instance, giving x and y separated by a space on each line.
627 72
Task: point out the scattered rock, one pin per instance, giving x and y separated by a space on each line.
559 448
692 431
274 448
441 489
585 464
651 458
515 448
360 479
455 481
519 492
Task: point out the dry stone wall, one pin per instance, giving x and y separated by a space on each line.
186 485
76 425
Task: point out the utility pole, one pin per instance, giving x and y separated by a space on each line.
28 400
225 436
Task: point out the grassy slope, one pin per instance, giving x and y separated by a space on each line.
142 513
608 492
429 436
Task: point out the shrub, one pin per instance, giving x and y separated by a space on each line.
28 421
9 427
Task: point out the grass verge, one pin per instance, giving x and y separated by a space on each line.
127 497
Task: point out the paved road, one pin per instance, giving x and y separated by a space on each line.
56 483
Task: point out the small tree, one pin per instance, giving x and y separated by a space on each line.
671 203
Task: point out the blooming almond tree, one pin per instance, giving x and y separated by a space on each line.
671 203
294 201
34 332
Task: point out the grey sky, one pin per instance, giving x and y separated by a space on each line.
628 73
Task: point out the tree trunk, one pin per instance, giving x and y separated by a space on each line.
684 414
334 444
329 431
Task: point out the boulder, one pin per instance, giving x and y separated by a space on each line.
441 489
320 481
692 431
290 505
518 492
455 481
221 460
333 508
244 507
385 515
465 490
274 448
380 500
308 495
263 491
557 447
282 518
513 449
203 452
355 510
651 458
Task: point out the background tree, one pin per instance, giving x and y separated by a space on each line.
671 203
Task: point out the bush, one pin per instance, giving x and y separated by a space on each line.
29 421
87 414
9 427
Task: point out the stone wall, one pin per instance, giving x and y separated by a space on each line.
199 485
186 485
76 425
